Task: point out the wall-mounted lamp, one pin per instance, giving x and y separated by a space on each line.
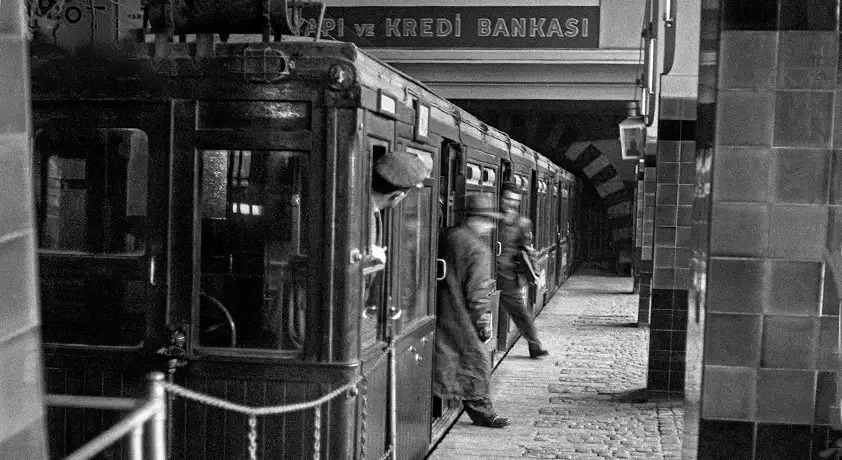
632 133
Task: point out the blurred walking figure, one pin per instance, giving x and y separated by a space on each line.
516 266
462 366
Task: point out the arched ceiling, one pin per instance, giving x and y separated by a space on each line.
555 127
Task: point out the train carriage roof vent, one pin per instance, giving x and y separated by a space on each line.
265 64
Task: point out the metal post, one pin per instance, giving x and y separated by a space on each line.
158 395
393 404
136 443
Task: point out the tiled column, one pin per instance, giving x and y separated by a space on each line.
638 225
646 266
770 305
671 280
21 406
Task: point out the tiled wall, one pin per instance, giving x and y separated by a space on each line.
675 181
765 306
21 407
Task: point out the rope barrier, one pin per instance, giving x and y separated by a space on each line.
254 412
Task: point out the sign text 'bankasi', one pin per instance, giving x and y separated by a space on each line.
463 27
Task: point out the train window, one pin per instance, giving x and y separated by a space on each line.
91 196
489 177
91 205
473 174
252 261
414 241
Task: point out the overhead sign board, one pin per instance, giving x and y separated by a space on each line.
485 27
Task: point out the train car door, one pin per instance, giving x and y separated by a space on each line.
100 183
550 235
562 232
245 239
451 189
413 294
543 219
536 210
482 175
518 175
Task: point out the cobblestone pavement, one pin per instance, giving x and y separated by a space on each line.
586 400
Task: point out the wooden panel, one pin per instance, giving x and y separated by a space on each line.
209 432
69 429
414 398
374 413
194 420
237 139
273 443
55 384
236 446
254 116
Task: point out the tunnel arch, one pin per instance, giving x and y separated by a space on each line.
596 160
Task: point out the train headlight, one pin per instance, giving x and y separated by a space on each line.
341 76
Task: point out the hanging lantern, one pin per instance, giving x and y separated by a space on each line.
633 134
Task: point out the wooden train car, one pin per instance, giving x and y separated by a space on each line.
203 210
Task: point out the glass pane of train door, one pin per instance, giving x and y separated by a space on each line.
91 207
252 291
414 286
415 250
375 297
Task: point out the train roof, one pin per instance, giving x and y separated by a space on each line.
308 58
377 74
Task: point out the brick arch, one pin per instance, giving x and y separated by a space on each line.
617 195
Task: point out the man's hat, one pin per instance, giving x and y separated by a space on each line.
402 169
481 205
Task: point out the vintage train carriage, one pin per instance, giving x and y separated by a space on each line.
203 209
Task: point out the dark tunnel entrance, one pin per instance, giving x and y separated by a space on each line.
582 137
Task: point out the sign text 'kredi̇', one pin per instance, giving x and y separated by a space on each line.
463 27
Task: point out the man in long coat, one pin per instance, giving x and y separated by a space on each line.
462 366
515 234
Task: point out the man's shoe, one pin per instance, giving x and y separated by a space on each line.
538 353
493 422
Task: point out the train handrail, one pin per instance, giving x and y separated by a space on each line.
233 327
153 410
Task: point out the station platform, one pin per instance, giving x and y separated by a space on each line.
587 399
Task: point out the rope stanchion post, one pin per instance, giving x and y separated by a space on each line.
136 443
158 394
393 401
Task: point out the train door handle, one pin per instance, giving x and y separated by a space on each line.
441 269
370 312
152 270
499 249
